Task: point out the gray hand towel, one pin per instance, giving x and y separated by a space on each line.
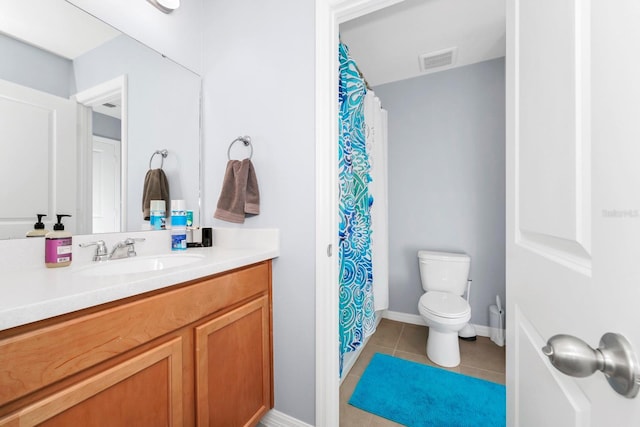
239 194
252 201
156 187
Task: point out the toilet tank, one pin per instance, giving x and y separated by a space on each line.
444 271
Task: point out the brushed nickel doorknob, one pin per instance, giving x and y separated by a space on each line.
614 357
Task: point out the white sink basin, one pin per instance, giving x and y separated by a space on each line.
138 264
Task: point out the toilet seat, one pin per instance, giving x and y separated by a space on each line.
444 304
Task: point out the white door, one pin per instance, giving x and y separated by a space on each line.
37 159
573 201
106 185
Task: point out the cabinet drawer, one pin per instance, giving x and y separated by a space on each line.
142 391
37 358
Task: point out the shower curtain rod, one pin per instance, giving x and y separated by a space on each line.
366 83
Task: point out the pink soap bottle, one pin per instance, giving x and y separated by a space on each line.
57 246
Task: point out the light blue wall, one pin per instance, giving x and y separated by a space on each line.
106 126
447 178
163 113
38 69
259 64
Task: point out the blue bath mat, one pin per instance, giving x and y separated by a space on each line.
418 395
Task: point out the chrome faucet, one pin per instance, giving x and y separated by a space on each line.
123 249
101 250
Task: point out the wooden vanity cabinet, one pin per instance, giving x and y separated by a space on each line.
198 353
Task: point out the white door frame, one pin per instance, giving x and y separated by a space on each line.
329 15
96 95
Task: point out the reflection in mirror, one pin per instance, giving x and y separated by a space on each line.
82 109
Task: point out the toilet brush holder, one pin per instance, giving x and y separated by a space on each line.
496 325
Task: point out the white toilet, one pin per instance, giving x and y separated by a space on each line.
444 278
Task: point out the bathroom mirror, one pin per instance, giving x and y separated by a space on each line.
123 101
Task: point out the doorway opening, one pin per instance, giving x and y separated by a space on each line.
106 102
329 18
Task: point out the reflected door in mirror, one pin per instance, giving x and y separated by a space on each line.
38 153
106 185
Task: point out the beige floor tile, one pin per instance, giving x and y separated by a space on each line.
483 354
420 358
365 357
383 422
413 339
387 333
355 416
350 416
494 377
347 387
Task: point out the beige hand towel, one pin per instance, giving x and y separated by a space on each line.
239 194
156 187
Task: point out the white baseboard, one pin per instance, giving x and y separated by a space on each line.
275 418
413 319
416 319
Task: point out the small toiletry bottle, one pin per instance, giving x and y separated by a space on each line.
189 228
38 228
57 246
207 237
178 225
158 214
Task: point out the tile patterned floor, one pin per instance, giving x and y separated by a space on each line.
480 359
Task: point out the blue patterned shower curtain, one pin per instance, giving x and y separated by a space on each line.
356 293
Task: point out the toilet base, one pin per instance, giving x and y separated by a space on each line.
443 348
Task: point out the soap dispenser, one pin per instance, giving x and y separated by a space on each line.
38 228
57 246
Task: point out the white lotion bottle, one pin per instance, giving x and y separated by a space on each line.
38 228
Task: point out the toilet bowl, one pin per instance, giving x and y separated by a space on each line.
444 277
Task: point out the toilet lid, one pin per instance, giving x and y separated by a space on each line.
444 304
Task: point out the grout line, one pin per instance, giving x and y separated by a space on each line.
395 347
482 369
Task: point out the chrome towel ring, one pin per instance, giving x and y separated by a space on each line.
246 140
163 153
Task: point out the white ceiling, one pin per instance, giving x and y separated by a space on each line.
53 25
387 44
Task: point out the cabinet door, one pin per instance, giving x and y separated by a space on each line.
145 390
233 367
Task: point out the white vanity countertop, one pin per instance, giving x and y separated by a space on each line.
33 293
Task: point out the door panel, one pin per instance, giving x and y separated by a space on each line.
566 405
553 140
233 374
37 158
106 185
573 204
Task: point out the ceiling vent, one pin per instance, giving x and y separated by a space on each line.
437 60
